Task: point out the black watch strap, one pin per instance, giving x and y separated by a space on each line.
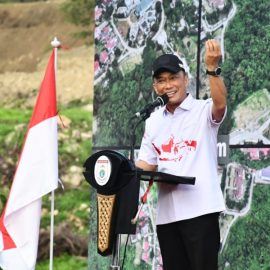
215 72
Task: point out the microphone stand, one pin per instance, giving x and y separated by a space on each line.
143 117
116 253
133 140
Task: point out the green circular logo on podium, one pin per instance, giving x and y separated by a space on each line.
103 169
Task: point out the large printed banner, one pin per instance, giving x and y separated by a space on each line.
129 34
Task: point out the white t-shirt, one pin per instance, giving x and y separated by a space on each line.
185 144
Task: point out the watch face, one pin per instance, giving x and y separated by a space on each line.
218 71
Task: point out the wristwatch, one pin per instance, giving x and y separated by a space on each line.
215 72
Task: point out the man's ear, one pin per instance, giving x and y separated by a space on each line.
155 89
186 80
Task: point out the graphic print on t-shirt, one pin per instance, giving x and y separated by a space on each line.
175 150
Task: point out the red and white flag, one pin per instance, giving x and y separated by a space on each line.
35 176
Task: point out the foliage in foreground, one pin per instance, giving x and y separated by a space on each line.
65 262
20 1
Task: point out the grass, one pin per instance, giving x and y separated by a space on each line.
71 206
10 118
65 262
14 115
77 115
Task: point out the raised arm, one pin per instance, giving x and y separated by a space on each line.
217 86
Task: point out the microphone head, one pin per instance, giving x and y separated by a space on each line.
164 99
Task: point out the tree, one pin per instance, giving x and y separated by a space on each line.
158 7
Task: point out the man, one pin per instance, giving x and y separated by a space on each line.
181 139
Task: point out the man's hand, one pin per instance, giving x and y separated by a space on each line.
212 54
145 166
217 86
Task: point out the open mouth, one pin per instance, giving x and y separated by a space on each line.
171 93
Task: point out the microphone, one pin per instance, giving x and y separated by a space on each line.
160 101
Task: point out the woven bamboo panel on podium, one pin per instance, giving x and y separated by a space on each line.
105 211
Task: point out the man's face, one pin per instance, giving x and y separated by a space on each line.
174 85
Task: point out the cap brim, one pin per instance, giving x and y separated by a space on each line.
167 68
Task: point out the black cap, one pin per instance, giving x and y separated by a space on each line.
167 62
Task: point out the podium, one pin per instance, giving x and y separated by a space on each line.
117 182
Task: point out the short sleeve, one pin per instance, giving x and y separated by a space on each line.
147 152
210 116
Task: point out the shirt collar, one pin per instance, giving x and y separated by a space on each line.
185 105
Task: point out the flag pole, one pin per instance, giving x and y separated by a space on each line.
55 44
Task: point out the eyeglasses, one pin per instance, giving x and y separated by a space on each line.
163 81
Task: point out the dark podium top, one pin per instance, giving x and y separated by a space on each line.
165 177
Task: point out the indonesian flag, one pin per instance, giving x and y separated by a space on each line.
35 176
